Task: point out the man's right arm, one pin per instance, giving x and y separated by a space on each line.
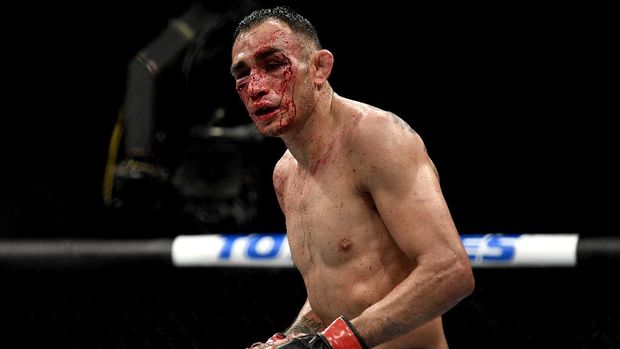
307 322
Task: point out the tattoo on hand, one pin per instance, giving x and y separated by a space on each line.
305 325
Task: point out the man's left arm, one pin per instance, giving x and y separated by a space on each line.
403 183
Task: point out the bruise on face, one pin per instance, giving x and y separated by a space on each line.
267 71
269 68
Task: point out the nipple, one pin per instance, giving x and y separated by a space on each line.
344 245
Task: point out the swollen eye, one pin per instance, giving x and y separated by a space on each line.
273 66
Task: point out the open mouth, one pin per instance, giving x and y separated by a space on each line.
263 113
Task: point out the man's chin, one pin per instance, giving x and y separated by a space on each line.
270 134
273 130
269 131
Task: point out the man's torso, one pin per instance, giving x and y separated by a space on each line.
338 241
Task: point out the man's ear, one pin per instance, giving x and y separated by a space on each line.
323 64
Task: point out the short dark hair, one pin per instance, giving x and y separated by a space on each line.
285 14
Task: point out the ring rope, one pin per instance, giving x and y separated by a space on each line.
271 250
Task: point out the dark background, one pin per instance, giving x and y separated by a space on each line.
514 103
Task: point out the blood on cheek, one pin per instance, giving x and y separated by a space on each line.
279 81
287 101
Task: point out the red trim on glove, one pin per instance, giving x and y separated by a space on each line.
341 336
275 337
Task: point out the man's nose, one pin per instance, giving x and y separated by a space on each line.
257 86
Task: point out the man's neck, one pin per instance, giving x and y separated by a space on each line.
316 135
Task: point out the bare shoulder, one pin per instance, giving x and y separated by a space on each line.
384 135
383 150
284 165
281 173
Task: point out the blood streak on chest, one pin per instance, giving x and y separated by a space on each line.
279 183
322 155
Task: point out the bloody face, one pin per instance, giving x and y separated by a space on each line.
270 67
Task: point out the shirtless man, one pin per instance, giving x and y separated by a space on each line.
367 223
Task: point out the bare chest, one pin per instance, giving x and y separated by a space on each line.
325 200
328 220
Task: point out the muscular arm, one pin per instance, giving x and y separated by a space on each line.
396 170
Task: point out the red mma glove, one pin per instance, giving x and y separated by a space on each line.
339 335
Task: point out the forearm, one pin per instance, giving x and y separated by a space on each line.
429 291
306 322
